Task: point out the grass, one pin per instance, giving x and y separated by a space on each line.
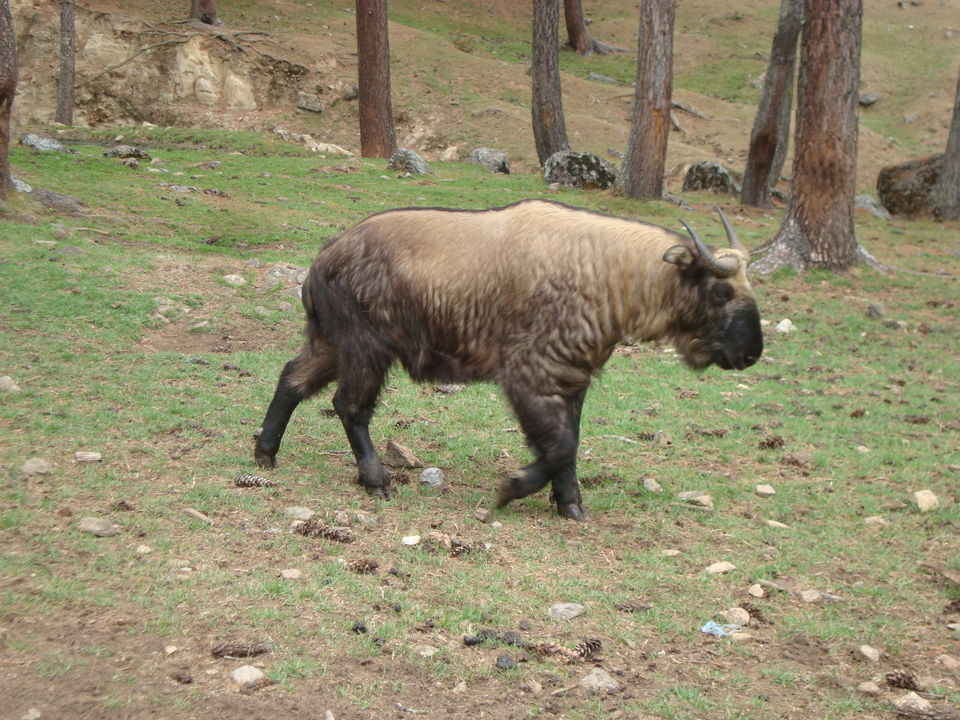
873 407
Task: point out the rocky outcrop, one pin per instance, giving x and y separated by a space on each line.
578 170
909 188
708 175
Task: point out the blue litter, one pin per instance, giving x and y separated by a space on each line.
721 631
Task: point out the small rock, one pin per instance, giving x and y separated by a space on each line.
127 151
36 466
411 540
651 485
718 568
532 687
400 456
310 102
8 385
872 206
561 612
86 457
246 674
784 327
866 99
697 497
599 682
495 161
97 526
764 490
869 688
670 552
911 702
735 616
483 515
948 662
661 438
449 388
295 512
875 520
505 662
291 574
32 714
432 477
741 637
925 500
170 649
776 524
755 590
143 550
42 144
341 518
234 280
810 596
870 653
426 650
367 521
407 161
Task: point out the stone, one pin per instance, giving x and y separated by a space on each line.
561 612
741 637
875 311
8 385
598 682
100 527
234 280
36 466
785 327
875 520
451 154
948 663
776 524
810 596
709 175
83 456
495 161
866 99
735 616
925 500
670 552
756 590
532 687
295 512
127 151
408 161
872 206
869 653
400 456
505 662
341 518
368 521
309 102
910 188
869 688
719 568
912 703
410 540
764 491
578 170
426 650
431 477
246 674
170 649
32 714
291 574
483 515
697 497
42 144
143 550
651 485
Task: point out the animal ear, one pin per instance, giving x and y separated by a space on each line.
680 256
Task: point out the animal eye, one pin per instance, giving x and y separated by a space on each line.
721 293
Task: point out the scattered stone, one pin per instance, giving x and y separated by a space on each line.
411 540
246 674
407 161
32 714
310 102
20 185
869 653
662 439
426 650
578 170
36 466
368 521
776 524
651 485
697 497
911 702
8 385
670 552
741 637
784 327
810 596
42 144
240 648
295 512
234 280
925 500
802 460
83 456
866 99
449 388
505 662
872 206
735 616
875 520
532 687
400 456
143 550
719 568
599 682
948 662
432 477
170 649
910 188
100 527
291 574
708 175
561 612
764 491
756 590
869 688
495 161
127 151
483 515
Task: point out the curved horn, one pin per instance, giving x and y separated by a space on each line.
731 234
719 268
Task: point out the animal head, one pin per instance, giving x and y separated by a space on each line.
718 321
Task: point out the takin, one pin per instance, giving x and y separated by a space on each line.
533 296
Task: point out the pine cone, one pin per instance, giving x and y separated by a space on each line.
459 547
902 679
249 480
552 649
314 527
233 648
363 566
633 606
589 648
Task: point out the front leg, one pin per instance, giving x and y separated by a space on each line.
354 402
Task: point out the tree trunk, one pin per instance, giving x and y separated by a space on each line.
8 88
817 231
549 129
577 36
641 175
204 11
377 134
771 128
948 189
68 46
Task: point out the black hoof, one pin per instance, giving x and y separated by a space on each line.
265 460
573 511
506 493
383 492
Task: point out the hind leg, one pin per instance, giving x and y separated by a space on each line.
565 490
305 375
354 401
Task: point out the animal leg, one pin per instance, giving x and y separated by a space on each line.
547 422
305 375
565 490
354 402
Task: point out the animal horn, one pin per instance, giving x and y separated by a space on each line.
731 234
719 268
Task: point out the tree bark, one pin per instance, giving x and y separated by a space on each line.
68 47
817 230
641 175
578 37
549 128
948 189
204 11
377 134
771 127
8 89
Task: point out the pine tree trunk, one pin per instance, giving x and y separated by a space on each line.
771 128
641 175
578 37
948 190
204 11
68 46
818 229
8 89
377 134
546 105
